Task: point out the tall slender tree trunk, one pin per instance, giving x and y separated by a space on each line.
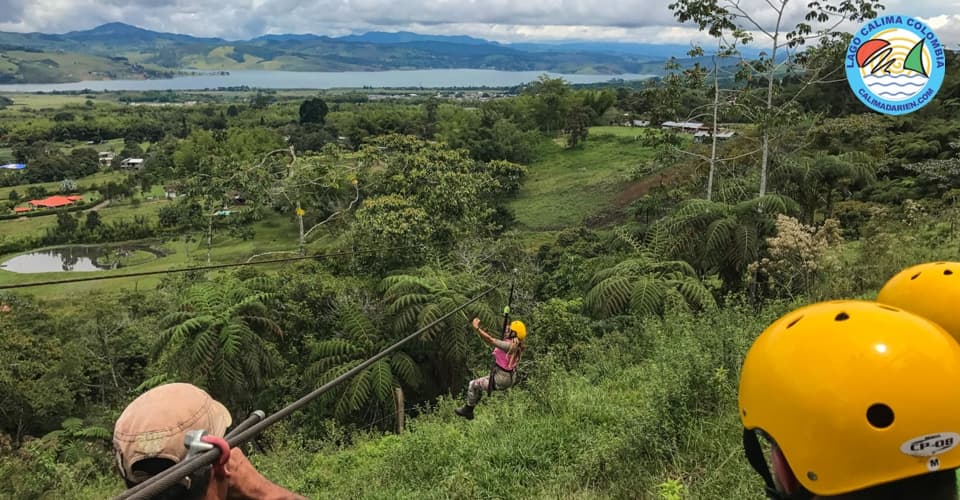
300 221
209 237
766 132
716 104
398 399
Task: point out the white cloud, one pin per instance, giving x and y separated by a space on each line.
502 20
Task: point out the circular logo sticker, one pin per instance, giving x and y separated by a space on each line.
932 445
895 64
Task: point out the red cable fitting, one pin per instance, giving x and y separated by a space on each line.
220 468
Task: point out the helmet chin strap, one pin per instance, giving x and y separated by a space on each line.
751 446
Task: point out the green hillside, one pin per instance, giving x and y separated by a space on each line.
18 66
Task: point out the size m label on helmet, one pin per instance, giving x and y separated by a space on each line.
933 444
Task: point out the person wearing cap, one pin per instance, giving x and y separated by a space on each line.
149 438
506 356
857 399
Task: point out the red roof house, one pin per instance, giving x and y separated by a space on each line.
55 201
22 209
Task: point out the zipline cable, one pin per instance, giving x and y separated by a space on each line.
199 268
171 476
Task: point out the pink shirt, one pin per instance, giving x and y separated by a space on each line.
507 353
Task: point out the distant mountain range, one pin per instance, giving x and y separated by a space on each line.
118 50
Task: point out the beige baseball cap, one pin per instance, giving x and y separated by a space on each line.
154 425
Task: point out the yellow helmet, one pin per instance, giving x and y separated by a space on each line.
520 328
931 290
854 394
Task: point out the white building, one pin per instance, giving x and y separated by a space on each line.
134 163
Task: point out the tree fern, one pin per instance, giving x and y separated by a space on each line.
695 294
647 296
216 337
359 337
640 286
417 300
610 296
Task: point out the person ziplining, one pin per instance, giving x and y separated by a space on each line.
503 373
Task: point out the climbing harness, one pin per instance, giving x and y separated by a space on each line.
171 476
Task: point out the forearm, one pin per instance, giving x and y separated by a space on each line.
246 483
486 336
502 344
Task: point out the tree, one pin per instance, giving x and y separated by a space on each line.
68 186
261 100
577 125
131 149
84 162
311 182
390 222
221 337
733 23
640 285
430 117
93 221
415 300
357 339
816 181
14 196
551 102
718 238
448 186
37 383
36 192
313 111
66 223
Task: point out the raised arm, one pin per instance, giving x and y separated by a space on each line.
502 344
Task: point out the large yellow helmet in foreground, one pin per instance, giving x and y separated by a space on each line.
854 394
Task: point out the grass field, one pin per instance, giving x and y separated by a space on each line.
40 101
619 131
53 187
566 186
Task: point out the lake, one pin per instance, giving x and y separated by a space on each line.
427 78
77 258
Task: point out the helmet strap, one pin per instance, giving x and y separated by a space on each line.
751 446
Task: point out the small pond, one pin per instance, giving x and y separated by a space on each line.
77 258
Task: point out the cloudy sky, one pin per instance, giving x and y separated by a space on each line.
502 20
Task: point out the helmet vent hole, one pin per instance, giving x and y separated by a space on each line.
947 272
880 416
794 322
915 276
842 317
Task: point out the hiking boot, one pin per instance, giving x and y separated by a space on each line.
465 411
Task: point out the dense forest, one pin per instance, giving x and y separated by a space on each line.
646 260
